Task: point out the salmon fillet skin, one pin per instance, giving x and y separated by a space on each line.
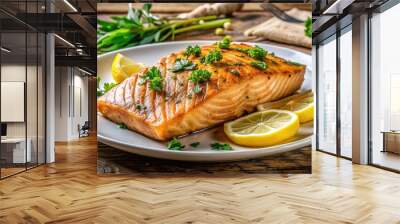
182 104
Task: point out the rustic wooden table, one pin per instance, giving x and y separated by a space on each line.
111 160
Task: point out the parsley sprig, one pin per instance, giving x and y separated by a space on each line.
175 144
211 57
193 50
107 86
259 65
182 65
257 53
200 76
153 75
224 43
221 146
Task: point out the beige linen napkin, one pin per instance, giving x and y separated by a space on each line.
280 31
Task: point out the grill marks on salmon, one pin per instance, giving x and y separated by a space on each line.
177 110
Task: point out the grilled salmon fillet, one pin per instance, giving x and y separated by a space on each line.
234 88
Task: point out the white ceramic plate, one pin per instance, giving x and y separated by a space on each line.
133 142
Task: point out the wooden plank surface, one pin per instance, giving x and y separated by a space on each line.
70 191
114 161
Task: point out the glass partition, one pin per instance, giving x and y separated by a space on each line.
22 88
327 96
385 89
15 150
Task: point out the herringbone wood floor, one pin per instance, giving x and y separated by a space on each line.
69 191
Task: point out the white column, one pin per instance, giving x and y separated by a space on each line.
360 90
50 99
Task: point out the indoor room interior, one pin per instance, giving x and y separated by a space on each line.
356 68
48 122
46 81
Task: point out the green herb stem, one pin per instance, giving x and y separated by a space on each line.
206 25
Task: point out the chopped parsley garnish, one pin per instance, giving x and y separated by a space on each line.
156 84
293 63
308 27
195 144
175 144
224 43
257 53
122 126
140 107
234 72
211 57
193 50
259 65
183 64
197 89
154 76
221 146
199 76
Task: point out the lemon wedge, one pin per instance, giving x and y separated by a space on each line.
123 67
264 128
302 104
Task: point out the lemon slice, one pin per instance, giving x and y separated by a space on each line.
123 67
302 104
303 107
264 128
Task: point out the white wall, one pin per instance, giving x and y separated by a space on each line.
71 94
12 73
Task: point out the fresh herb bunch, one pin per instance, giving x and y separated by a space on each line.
153 75
193 50
142 27
175 144
182 65
308 27
259 65
211 57
199 76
